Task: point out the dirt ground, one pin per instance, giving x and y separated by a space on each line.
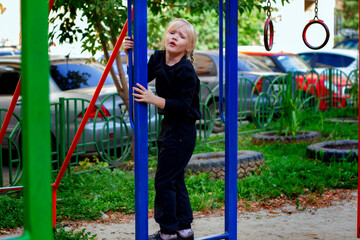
336 221
331 217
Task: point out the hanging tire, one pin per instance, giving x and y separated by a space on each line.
214 163
334 150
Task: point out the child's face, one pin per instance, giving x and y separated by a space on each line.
177 41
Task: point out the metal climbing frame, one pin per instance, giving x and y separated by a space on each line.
141 161
36 125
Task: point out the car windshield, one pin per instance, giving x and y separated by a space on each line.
248 63
293 63
77 75
327 60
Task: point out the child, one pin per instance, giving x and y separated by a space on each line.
177 99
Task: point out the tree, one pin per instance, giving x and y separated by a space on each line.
351 14
105 20
2 9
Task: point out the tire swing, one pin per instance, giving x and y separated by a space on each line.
213 163
268 42
316 20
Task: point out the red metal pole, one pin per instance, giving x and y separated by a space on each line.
86 117
358 208
15 98
10 111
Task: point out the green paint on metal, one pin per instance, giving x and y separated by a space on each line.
36 120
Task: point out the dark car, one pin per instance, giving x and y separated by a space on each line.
281 61
254 80
307 81
345 60
348 43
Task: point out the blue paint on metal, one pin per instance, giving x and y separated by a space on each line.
214 237
231 118
141 126
130 71
221 61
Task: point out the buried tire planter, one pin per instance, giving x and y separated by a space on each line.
334 150
273 137
214 163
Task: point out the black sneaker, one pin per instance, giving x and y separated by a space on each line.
157 236
187 236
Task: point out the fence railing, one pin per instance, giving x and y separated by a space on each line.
109 135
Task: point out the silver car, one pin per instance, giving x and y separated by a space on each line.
254 83
72 84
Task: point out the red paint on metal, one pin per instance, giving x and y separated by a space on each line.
86 117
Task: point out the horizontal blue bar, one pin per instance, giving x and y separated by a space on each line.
214 237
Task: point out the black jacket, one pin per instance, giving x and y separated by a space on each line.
178 84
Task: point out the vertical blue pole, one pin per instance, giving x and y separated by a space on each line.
231 87
141 126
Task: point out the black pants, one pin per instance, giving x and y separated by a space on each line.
176 144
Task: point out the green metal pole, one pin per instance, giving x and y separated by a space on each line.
36 120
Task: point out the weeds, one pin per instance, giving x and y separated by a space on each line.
61 234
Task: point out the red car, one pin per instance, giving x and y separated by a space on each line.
312 84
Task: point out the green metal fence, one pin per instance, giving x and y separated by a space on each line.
109 135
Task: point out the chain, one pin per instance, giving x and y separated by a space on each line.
316 10
268 13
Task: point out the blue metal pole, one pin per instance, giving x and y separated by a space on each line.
130 71
141 125
221 60
231 87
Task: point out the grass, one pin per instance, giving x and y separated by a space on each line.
287 172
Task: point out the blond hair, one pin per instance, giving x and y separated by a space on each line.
180 22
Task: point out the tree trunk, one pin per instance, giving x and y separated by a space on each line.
124 83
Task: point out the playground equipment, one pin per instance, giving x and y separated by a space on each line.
316 20
36 123
269 27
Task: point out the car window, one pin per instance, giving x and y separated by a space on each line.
268 62
9 77
204 65
293 63
78 75
333 60
307 57
249 63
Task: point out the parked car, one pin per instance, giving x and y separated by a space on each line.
4 51
348 43
281 61
123 57
310 83
342 59
72 79
254 78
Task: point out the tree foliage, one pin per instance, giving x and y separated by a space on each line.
351 14
106 18
2 9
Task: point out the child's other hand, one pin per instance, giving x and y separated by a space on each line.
128 44
143 94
